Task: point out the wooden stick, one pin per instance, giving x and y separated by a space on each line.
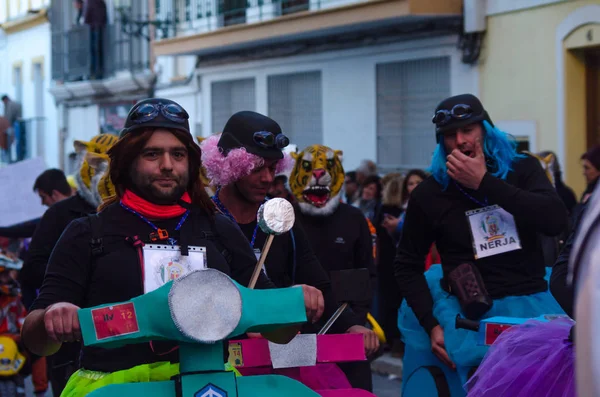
261 261
333 319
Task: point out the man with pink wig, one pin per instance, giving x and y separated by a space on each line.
242 163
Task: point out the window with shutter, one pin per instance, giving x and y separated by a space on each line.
229 97
295 102
407 94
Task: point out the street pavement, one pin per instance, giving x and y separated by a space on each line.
386 385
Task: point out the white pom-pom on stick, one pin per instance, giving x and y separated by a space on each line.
275 217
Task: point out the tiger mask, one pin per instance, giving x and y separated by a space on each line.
100 144
317 179
102 187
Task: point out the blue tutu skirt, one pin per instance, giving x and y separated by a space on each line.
461 344
535 359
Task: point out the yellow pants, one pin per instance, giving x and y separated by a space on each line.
83 382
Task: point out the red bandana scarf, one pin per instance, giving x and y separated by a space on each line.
154 211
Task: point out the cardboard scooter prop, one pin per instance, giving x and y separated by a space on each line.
198 310
489 329
306 350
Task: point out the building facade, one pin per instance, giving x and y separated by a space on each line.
363 76
100 68
540 75
25 74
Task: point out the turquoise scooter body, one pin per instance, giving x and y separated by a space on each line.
198 311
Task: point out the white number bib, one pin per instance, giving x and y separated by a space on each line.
163 263
493 231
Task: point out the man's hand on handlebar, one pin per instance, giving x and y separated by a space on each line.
313 302
62 322
438 347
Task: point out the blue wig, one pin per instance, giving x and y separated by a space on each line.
499 148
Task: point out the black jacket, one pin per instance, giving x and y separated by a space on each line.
436 215
47 233
291 261
76 276
342 241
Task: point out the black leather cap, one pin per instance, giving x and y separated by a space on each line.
479 113
239 132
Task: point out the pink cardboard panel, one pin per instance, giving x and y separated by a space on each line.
340 348
253 352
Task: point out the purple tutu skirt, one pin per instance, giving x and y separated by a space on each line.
535 359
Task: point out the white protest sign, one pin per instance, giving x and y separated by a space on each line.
18 202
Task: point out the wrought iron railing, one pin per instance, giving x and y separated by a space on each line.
179 17
82 53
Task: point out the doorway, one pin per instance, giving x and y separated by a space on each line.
592 83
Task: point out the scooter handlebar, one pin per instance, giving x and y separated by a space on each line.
465 323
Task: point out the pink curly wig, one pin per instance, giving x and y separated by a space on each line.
223 170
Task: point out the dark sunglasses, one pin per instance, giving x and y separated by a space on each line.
268 140
458 112
149 111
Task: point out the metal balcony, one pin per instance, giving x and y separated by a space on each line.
73 53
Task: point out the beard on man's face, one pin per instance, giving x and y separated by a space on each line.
163 189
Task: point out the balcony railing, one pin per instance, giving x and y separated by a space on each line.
81 53
199 16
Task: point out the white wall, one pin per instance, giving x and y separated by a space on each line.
82 123
188 97
349 88
19 49
4 67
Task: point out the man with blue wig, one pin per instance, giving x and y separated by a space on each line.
484 206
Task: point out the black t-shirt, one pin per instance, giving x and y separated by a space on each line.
285 269
342 241
75 276
435 215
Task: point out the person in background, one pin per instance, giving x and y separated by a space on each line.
50 228
96 17
78 4
393 224
13 315
370 198
366 169
565 192
13 113
52 187
351 189
5 141
279 189
590 162
389 297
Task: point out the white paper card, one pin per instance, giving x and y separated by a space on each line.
493 231
163 263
